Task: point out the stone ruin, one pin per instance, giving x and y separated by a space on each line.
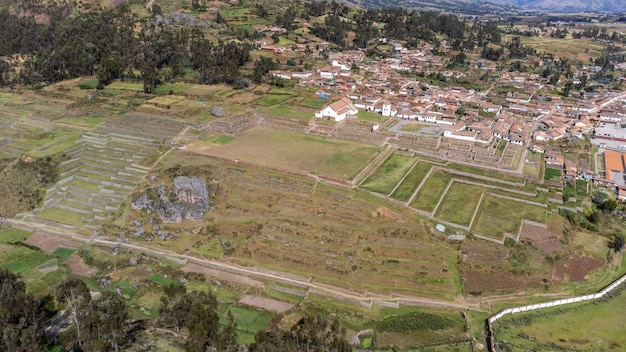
188 200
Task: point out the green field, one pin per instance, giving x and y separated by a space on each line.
162 280
63 252
294 151
431 191
597 326
248 321
497 216
20 259
370 116
289 113
91 122
387 176
12 235
410 183
459 204
217 139
273 99
551 173
313 103
61 216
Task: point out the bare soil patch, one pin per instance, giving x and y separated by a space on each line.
49 243
266 303
78 267
220 275
49 269
541 238
575 268
4 248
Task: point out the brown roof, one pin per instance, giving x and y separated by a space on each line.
613 161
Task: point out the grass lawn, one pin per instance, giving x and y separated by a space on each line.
289 113
410 183
294 151
552 173
460 203
582 327
61 216
162 280
176 88
12 235
497 216
431 191
486 173
411 127
138 87
387 176
217 139
370 116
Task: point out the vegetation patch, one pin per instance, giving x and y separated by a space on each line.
217 139
370 116
497 216
551 173
387 176
249 321
61 216
431 191
283 111
63 252
459 203
412 180
273 99
414 321
162 280
13 235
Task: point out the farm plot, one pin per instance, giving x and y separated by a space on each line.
293 151
459 203
411 182
431 191
497 216
387 176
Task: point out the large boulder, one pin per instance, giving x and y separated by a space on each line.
191 200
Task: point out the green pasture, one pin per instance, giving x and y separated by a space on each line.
594 326
459 203
551 173
387 176
313 103
137 87
20 259
431 191
412 180
283 111
63 252
497 216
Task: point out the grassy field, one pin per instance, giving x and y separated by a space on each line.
410 183
459 203
12 235
290 113
497 216
317 103
61 216
581 327
249 321
371 116
91 122
273 99
431 191
294 151
551 173
387 176
20 259
217 139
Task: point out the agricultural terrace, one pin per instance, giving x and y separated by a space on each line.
479 201
291 224
293 151
591 326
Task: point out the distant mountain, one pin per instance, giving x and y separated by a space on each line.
495 6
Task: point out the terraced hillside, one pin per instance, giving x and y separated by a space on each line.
104 166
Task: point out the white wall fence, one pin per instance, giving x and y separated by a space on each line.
559 302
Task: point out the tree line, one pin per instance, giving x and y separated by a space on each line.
111 44
75 319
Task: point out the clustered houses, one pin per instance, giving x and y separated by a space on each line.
616 173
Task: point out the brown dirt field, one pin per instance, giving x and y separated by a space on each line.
498 280
78 267
266 303
49 243
49 269
4 248
541 237
576 268
194 268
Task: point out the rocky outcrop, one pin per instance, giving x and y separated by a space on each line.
188 200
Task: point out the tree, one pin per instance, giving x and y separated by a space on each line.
73 292
617 243
261 67
106 322
19 316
